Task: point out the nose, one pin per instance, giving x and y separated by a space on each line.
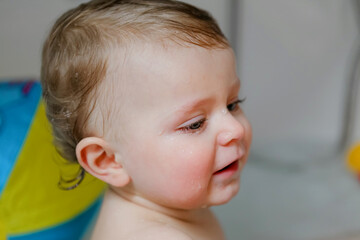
231 130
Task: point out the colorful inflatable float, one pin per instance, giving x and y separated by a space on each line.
32 206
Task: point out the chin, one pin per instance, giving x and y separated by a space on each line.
224 196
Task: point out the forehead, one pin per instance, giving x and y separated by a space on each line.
149 74
158 66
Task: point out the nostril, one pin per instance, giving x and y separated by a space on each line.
227 137
224 138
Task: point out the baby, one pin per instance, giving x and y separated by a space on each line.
143 94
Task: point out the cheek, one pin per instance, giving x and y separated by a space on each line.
190 169
172 170
176 172
248 132
247 128
193 158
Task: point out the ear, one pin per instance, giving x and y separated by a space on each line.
97 158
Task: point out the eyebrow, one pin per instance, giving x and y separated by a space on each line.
189 107
236 85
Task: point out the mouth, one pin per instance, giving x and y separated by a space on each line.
231 168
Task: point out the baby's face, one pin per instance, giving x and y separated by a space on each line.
184 138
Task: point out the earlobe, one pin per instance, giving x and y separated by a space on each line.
97 158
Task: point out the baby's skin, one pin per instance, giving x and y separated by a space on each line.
176 146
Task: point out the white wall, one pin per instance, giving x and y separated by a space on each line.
295 64
24 25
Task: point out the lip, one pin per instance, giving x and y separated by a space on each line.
229 169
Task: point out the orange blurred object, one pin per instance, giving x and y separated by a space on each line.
353 160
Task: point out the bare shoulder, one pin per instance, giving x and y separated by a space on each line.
160 232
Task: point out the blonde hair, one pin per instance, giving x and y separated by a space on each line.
75 54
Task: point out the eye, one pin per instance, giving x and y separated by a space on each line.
193 127
235 105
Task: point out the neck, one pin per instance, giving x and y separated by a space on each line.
190 216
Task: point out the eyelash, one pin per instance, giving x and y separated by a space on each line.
194 127
235 105
198 125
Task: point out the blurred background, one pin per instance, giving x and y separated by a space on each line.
298 62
